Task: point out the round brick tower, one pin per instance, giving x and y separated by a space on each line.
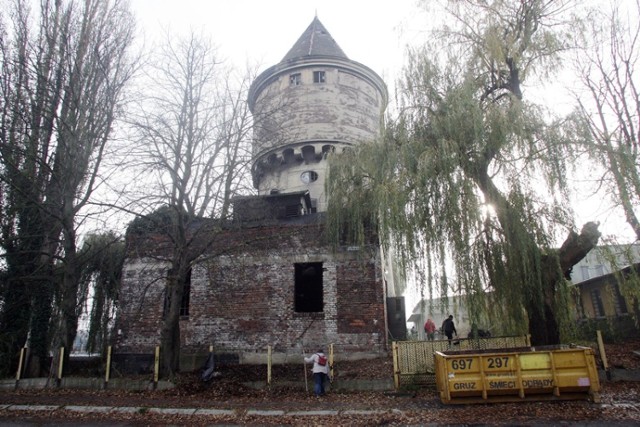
315 101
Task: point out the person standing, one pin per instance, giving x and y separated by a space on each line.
449 328
430 329
320 371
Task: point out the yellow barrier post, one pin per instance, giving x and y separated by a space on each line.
603 354
108 368
269 366
396 371
156 368
23 351
331 362
60 365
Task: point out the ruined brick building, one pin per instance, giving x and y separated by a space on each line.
275 280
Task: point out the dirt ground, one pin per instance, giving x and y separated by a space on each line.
620 401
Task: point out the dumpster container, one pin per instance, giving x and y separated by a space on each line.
521 374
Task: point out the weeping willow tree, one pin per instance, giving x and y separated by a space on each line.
468 186
100 279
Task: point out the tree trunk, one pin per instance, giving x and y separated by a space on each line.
556 269
543 323
42 300
170 336
14 322
541 312
69 292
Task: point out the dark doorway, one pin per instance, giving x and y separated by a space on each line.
308 287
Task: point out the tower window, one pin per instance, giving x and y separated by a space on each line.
295 79
318 76
308 292
308 177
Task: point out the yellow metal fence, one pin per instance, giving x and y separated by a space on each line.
414 363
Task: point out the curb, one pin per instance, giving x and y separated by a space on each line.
196 411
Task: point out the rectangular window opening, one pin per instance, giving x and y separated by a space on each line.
186 298
598 306
292 211
308 291
295 79
620 302
318 77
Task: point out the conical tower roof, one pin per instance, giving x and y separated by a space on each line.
315 41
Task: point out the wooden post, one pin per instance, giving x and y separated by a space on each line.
269 361
603 354
60 365
156 368
331 362
108 368
23 351
20 362
396 370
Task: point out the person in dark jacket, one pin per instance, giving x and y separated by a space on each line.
449 328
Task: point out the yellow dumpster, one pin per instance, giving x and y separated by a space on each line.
521 374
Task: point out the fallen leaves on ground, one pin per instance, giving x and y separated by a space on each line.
620 401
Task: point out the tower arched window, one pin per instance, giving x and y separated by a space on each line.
308 177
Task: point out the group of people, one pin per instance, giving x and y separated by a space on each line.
448 328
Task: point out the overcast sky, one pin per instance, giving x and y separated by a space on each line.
373 33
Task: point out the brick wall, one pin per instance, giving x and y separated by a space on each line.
242 295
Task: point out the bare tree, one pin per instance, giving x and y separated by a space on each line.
62 85
192 132
610 102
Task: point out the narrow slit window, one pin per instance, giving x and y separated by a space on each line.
186 298
308 288
598 306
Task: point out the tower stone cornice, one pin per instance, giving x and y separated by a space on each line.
284 68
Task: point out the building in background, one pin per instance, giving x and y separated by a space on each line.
598 278
438 310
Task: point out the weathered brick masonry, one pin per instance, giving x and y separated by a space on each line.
242 294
